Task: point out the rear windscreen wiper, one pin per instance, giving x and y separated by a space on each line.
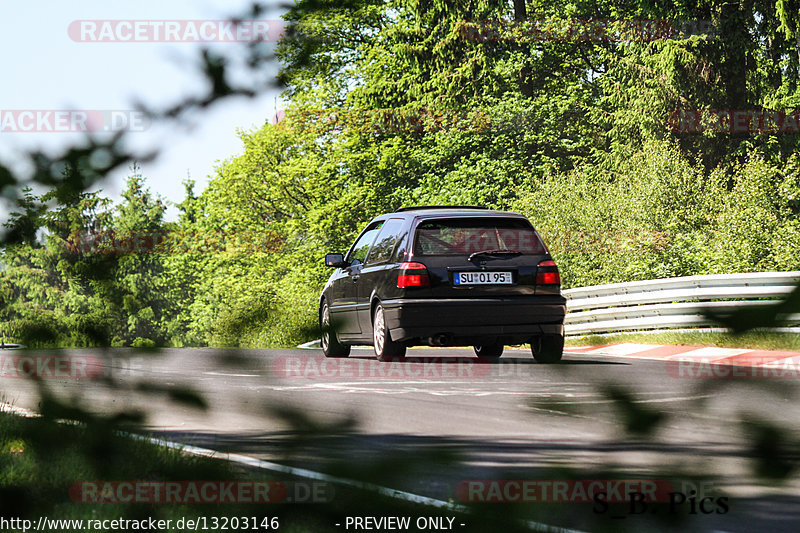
494 254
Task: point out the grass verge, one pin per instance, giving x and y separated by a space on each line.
46 465
65 472
756 340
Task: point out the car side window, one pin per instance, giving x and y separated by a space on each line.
384 243
400 251
358 253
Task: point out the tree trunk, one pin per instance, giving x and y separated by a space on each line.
734 37
521 14
520 11
798 47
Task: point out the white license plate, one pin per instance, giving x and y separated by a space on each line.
482 278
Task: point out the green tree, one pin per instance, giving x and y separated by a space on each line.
140 285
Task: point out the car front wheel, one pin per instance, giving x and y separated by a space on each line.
331 346
385 348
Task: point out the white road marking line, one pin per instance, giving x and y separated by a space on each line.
311 345
302 472
655 400
326 387
231 375
709 353
311 474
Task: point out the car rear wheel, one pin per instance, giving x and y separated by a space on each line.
385 348
491 351
331 346
548 349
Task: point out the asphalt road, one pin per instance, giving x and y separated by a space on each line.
445 418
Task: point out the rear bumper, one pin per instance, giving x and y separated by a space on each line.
463 320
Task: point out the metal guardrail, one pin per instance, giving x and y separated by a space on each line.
672 302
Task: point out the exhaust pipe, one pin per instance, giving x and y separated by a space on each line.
442 339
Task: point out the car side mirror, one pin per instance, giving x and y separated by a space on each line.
335 260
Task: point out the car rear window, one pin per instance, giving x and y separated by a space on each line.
465 236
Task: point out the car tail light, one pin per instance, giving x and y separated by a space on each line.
547 273
413 275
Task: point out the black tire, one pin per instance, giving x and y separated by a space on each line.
489 351
548 349
385 348
331 346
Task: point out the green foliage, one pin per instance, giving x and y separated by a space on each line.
400 103
656 215
577 139
72 286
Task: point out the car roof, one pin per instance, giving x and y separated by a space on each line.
449 211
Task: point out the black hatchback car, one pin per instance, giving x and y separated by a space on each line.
444 276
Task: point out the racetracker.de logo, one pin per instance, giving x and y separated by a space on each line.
173 242
562 491
72 120
51 366
175 31
734 121
749 367
389 120
315 367
582 30
177 492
